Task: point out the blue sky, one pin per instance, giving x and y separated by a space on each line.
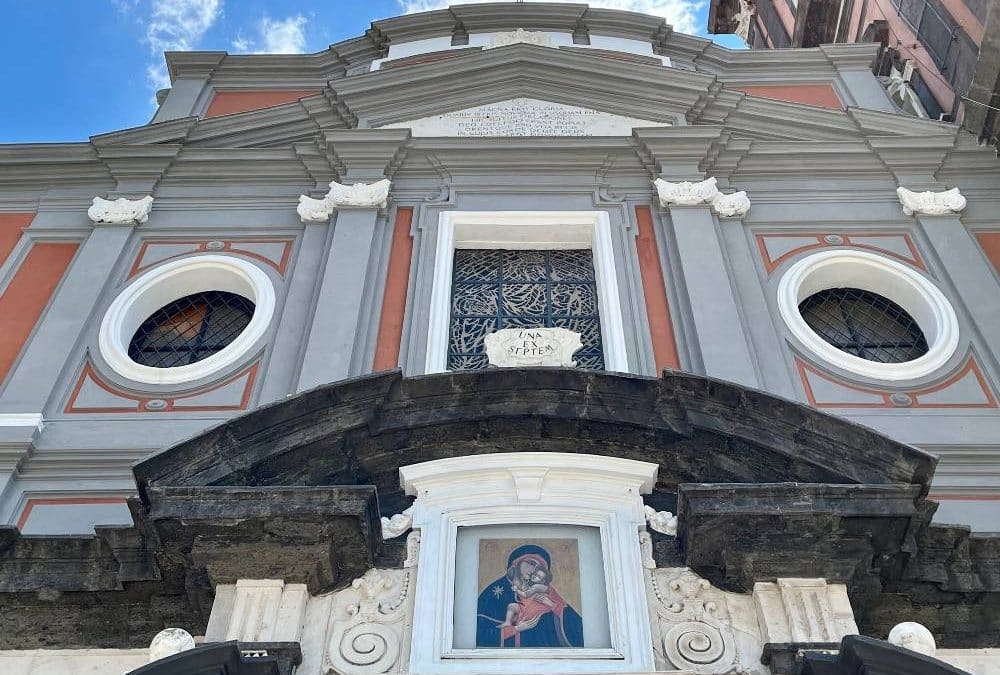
75 68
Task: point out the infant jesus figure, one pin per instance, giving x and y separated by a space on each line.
534 598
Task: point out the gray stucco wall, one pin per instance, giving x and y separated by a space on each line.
721 293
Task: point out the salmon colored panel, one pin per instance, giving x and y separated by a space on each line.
661 328
821 95
390 328
25 299
229 102
990 241
11 225
63 501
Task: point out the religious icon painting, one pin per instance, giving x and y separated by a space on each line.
542 590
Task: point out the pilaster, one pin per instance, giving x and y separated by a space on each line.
335 335
963 262
682 154
723 341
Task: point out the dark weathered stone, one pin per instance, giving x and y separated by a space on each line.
763 488
122 586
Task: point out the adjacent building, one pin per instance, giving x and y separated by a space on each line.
505 338
938 59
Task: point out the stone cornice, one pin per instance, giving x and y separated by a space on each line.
521 70
193 64
162 132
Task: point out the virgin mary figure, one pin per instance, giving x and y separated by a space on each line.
523 609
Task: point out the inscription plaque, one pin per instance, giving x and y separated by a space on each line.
524 117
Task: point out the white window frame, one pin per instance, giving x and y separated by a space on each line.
526 230
526 488
174 280
903 285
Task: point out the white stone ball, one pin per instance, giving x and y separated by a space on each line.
913 636
168 642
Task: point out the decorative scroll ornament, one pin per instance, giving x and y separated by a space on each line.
359 195
691 623
120 211
398 524
742 19
663 522
519 347
931 203
519 36
370 624
687 193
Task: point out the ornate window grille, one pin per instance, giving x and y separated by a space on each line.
494 289
864 324
190 329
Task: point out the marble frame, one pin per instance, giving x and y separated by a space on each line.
526 230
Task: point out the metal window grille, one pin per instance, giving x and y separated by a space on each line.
494 289
190 329
864 324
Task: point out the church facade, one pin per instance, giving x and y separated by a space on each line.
507 338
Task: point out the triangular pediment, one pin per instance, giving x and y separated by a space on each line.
523 116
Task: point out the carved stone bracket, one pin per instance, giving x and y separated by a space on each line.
359 195
397 524
686 193
370 624
663 522
120 211
931 203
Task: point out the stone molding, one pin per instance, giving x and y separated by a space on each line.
120 211
525 347
359 195
687 193
931 203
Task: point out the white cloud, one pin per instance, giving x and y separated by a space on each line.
681 14
176 25
274 36
242 44
286 36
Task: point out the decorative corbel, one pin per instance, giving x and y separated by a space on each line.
687 193
663 522
359 195
120 211
931 203
397 525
